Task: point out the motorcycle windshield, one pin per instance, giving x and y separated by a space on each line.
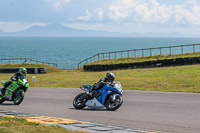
118 86
23 78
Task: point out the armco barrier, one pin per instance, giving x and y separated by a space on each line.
30 70
146 64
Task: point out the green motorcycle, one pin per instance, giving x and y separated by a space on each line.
15 91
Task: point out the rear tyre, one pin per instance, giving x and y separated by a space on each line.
80 100
18 98
113 105
1 99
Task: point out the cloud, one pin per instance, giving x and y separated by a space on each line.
57 4
86 17
99 13
112 15
93 15
191 12
150 11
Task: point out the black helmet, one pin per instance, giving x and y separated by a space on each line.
110 76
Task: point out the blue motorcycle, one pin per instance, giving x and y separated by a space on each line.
108 96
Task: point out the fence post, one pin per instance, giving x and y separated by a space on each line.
135 53
170 50
150 52
160 51
182 49
103 56
142 52
78 66
128 53
193 48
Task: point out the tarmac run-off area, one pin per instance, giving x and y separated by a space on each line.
141 112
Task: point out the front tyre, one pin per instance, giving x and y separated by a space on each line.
113 105
18 98
79 101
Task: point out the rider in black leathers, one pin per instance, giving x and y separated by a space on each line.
108 80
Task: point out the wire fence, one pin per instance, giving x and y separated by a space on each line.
67 65
24 60
170 50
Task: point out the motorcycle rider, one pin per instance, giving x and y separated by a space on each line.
107 80
17 75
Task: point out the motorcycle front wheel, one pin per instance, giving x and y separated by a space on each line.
79 101
113 105
18 98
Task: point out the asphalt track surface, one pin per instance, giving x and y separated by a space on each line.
163 112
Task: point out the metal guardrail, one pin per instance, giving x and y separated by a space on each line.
143 52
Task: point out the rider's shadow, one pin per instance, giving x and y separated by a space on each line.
7 104
90 109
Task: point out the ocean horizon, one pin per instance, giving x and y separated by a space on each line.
71 50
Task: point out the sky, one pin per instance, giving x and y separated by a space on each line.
127 16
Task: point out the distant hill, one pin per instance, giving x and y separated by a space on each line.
2 32
60 30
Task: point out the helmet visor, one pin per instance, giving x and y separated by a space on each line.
110 76
23 72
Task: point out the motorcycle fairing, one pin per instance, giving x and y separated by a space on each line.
14 86
3 82
11 88
94 103
105 91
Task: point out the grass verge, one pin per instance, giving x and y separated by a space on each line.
177 79
20 125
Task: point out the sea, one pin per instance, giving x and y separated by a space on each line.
69 51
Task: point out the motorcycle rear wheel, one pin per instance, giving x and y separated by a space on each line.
79 101
1 99
113 105
18 98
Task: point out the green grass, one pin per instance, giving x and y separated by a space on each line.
20 125
142 59
179 79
